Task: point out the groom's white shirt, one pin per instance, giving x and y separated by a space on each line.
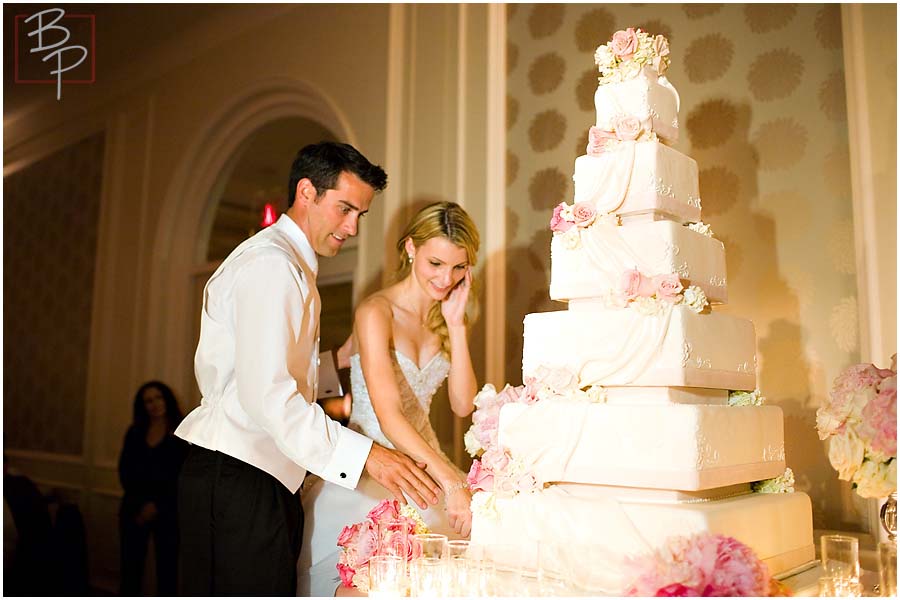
257 365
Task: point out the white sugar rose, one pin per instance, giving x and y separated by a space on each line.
604 58
701 228
473 446
846 453
558 379
742 398
876 479
627 127
487 393
649 306
695 299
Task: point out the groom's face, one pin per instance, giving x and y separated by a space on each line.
333 217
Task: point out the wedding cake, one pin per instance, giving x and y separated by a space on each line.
639 418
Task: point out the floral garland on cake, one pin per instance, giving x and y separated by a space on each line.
860 422
359 542
701 565
627 52
494 470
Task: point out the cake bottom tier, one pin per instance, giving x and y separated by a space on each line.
778 527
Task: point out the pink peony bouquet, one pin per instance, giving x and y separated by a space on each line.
700 565
860 422
361 541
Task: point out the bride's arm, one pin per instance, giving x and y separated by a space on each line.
461 383
372 328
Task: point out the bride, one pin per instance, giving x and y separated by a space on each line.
407 339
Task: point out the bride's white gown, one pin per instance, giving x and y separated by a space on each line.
328 507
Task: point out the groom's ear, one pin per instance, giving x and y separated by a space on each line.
305 192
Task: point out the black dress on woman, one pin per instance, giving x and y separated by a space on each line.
150 474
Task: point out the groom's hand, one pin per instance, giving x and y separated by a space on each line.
401 475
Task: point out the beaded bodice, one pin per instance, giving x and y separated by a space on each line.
417 387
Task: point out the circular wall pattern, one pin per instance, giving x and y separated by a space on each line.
697 11
711 123
707 58
512 168
512 57
547 189
775 74
843 324
545 19
657 27
584 90
761 18
546 73
780 144
833 97
593 29
719 189
841 247
512 112
828 26
547 130
581 144
836 172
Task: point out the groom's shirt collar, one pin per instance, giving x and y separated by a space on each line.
298 240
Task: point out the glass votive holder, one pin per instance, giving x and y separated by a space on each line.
840 557
387 576
838 587
457 548
393 539
428 577
429 545
887 569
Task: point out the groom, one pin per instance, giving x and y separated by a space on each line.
258 428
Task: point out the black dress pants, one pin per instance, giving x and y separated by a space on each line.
240 529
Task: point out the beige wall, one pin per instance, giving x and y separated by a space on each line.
764 114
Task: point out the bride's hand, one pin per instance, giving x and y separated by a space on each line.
453 307
459 510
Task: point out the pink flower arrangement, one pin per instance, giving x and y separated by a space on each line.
860 422
558 221
635 284
581 215
359 542
624 43
700 565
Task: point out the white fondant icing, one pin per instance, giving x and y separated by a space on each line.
654 248
616 347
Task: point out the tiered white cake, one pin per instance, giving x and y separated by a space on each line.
628 435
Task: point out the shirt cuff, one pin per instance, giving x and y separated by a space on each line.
348 460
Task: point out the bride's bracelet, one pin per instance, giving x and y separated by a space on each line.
459 485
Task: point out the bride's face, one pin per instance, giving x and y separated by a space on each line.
438 265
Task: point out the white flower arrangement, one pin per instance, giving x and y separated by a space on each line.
783 484
694 298
627 52
742 398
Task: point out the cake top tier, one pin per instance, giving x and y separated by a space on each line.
630 50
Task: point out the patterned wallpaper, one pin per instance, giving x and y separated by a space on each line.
763 113
50 213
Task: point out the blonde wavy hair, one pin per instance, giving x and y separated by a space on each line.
448 220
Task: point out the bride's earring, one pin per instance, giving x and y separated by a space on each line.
410 259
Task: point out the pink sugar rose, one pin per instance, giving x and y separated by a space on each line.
510 394
597 140
386 509
667 286
557 222
479 478
494 460
627 127
367 546
348 535
346 574
624 43
635 284
584 213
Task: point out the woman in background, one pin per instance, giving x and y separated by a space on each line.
148 470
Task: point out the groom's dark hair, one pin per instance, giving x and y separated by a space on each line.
322 163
